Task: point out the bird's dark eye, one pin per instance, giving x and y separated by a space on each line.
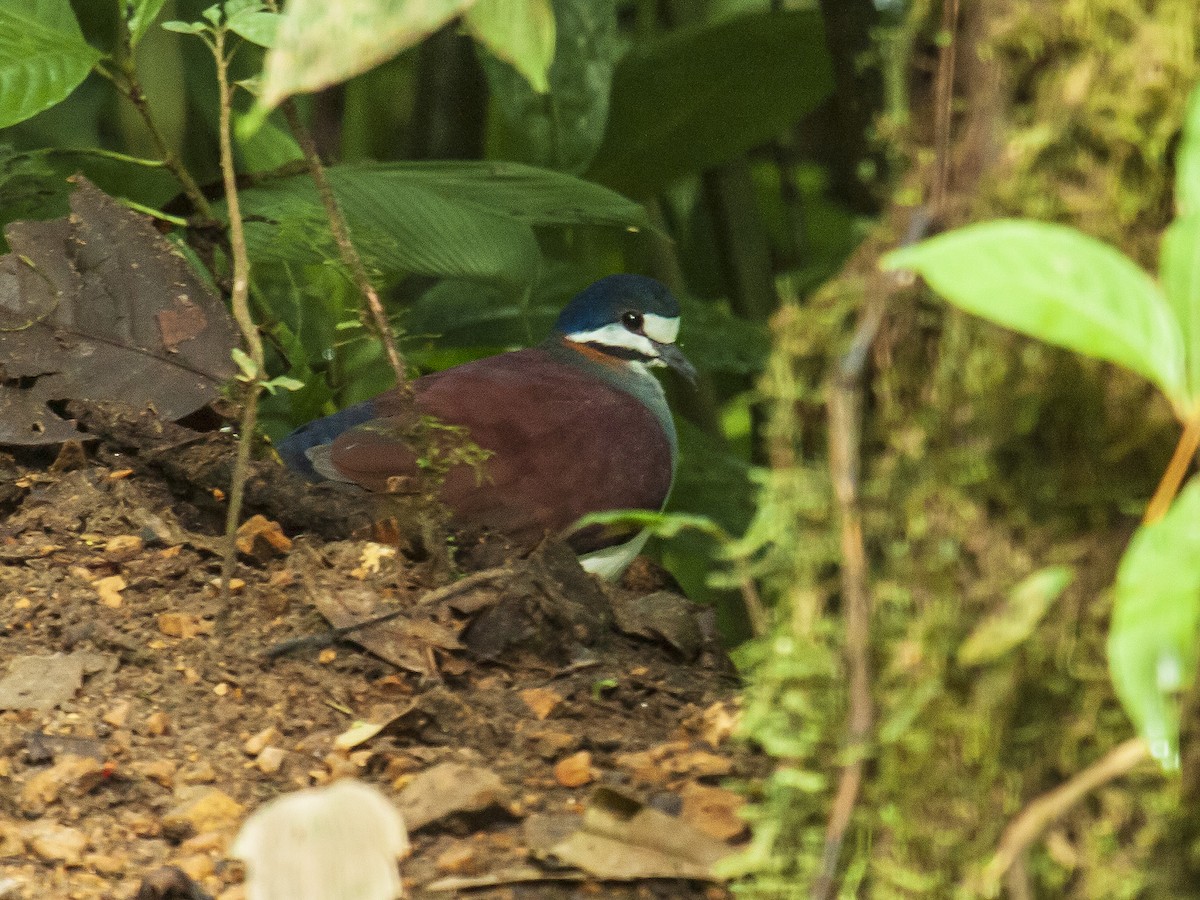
633 321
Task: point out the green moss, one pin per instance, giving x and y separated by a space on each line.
986 457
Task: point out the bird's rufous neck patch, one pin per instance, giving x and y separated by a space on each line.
591 352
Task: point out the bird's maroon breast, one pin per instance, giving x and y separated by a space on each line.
562 444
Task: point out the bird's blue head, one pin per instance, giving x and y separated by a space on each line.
629 317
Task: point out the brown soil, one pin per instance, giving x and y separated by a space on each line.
185 722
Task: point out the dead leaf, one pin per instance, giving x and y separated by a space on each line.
450 788
713 810
620 839
99 306
262 539
541 701
43 682
660 764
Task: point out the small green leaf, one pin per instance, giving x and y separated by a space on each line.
140 15
43 57
246 366
1187 164
1017 616
1180 275
321 43
704 96
255 25
185 27
1152 642
660 524
520 32
1060 286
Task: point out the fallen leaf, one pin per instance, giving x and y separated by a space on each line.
41 682
82 301
262 539
541 701
450 788
713 810
620 839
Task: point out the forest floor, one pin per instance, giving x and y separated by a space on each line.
142 718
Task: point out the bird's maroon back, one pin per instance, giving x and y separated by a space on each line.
562 443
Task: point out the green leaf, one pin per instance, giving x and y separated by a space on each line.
185 27
1180 274
716 340
563 129
705 96
1017 616
255 25
1187 164
520 32
1152 643
140 15
43 57
449 219
1060 286
660 524
321 43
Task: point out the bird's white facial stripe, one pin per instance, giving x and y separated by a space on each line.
661 328
616 336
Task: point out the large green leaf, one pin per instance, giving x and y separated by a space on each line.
704 96
561 130
321 43
1152 643
449 219
1180 274
1060 286
520 32
43 56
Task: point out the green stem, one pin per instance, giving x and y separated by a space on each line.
241 313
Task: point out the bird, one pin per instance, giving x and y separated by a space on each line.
574 425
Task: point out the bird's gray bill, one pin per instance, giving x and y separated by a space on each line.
673 357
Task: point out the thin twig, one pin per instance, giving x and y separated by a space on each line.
944 104
239 298
129 86
334 635
341 236
845 466
1035 818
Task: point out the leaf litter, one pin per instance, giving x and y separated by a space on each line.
475 711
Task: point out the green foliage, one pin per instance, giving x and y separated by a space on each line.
43 56
520 32
1156 613
1065 288
1060 286
140 15
450 219
762 72
1016 619
562 129
319 43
